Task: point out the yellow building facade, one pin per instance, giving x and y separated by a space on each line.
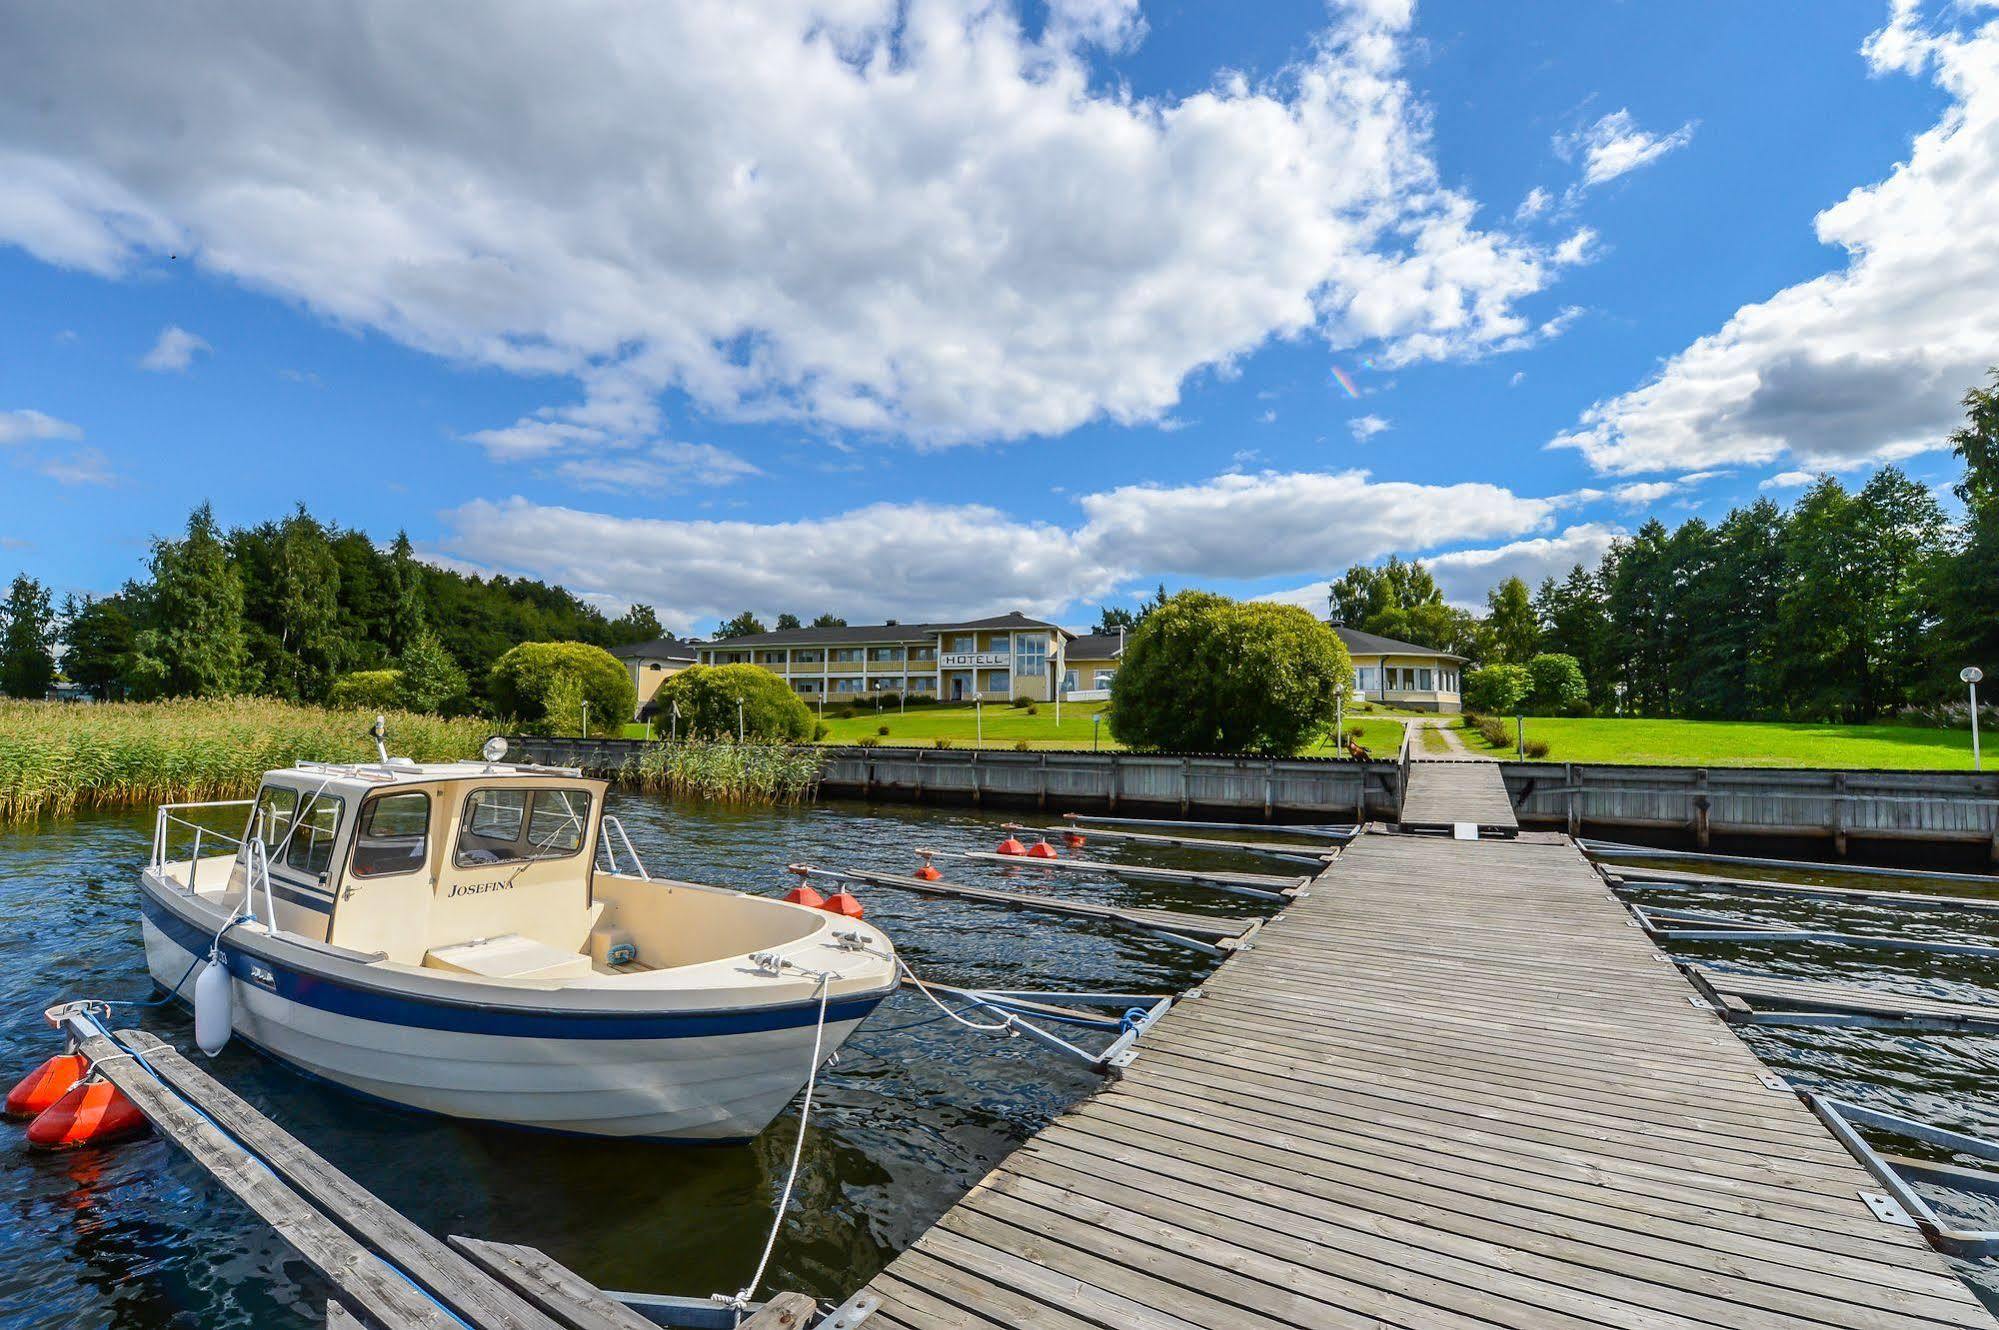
991 660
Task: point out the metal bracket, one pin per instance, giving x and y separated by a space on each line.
1699 1003
1772 1081
1886 1210
851 1313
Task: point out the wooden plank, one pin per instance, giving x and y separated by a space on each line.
1171 921
339 1318
785 1311
1283 850
1338 831
1454 1089
567 1298
361 1276
1445 793
445 1274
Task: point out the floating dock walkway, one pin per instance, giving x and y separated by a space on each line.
1441 795
1452 1086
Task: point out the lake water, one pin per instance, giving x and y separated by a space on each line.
908 1118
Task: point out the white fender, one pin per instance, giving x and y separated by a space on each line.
211 1007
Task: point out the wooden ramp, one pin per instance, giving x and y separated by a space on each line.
1449 1089
1440 795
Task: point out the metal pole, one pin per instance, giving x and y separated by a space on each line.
1340 719
978 719
1520 736
1976 763
586 720
739 720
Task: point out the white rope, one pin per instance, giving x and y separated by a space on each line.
1005 1022
741 1302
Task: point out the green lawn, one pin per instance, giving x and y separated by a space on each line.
1005 726
1719 743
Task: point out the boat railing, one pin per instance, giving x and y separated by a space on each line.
612 827
168 818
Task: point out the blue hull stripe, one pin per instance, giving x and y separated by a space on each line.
420 1011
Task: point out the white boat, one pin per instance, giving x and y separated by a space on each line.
466 939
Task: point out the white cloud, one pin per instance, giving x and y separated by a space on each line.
1615 145
27 426
1538 201
914 218
926 560
1366 427
174 351
1578 248
1641 493
76 466
659 468
1786 480
1869 360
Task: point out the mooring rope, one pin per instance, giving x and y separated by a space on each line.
741 1302
1006 1022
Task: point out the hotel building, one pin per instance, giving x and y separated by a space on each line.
993 660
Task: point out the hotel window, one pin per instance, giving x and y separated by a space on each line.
806 657
1104 677
770 658
1068 681
924 684
998 681
884 653
923 653
1424 680
1030 655
846 685
806 685
846 653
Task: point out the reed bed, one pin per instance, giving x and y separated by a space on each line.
56 758
763 773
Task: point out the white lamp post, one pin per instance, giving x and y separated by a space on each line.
1971 674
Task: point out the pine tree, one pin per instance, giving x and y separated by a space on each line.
27 640
745 624
407 621
192 644
96 636
787 622
305 596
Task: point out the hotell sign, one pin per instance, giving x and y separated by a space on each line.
963 660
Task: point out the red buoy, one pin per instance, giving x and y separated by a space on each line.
1075 840
843 903
1041 849
1010 846
94 1113
45 1084
804 895
928 873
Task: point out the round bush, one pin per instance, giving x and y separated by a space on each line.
1204 673
527 680
1497 689
363 689
707 696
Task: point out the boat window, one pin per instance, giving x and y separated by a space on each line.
311 848
275 806
393 834
507 826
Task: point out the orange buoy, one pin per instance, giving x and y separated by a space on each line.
93 1113
46 1084
927 873
843 903
1010 846
1075 840
1041 849
804 895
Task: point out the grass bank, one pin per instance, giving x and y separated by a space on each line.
1721 743
740 773
1008 727
59 757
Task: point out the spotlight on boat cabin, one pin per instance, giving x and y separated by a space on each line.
379 732
495 749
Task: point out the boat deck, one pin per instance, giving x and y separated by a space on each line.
1450 1087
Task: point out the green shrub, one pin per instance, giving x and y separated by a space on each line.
881 729
1494 732
1033 710
867 741
942 743
1207 674
743 773
1497 689
1537 749
1018 702
820 729
366 688
526 682
712 697
1556 686
1022 746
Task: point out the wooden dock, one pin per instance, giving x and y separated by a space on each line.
1446 794
1765 999
1451 1088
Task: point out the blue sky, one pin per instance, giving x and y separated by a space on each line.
913 312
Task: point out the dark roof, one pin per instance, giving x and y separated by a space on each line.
1096 646
1372 644
875 632
660 648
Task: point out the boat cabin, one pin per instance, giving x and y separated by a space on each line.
479 868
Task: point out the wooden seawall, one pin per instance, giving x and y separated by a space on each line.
1450 1087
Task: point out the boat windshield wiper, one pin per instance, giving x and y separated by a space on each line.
572 821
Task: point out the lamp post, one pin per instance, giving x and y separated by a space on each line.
1520 736
1971 674
673 723
1095 721
978 722
739 720
586 719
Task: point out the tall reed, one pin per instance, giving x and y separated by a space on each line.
58 757
763 773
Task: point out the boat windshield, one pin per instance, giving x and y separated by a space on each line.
508 826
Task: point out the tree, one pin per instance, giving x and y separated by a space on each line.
405 579
96 636
745 624
427 678
1573 623
1970 601
1497 690
1555 686
640 623
27 640
708 697
1635 577
304 612
1204 673
1731 611
787 622
1510 619
826 621
1905 542
537 678
366 690
192 642
1112 619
